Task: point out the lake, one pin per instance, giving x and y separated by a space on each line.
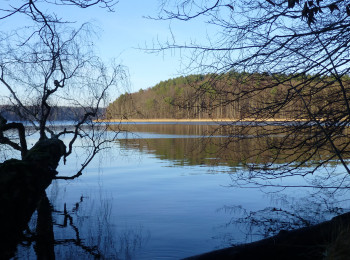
156 194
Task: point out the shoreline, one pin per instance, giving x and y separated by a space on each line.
160 120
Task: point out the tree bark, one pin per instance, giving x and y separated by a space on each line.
22 183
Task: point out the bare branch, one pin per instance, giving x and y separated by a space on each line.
4 126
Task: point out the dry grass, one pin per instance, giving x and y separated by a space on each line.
202 120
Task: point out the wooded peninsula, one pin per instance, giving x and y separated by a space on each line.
58 113
232 95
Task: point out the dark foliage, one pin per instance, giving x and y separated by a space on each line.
59 113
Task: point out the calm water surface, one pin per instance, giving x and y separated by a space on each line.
150 197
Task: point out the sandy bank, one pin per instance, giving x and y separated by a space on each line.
159 120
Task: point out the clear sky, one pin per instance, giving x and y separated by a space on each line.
122 33
126 30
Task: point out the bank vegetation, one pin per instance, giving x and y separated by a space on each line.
235 96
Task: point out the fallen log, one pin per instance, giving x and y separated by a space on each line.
327 240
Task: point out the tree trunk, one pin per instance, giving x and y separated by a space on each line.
22 183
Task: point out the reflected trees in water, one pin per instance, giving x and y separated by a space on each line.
323 202
295 228
288 213
78 232
253 151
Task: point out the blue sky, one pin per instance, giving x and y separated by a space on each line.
126 30
122 33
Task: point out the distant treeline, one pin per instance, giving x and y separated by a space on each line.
233 95
59 113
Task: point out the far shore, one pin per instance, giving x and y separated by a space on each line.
159 120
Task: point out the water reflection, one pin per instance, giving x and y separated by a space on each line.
76 232
253 153
286 213
215 151
177 204
44 236
244 145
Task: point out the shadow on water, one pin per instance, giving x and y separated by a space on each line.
43 232
306 229
287 213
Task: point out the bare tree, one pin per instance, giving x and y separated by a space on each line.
48 63
275 61
47 66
